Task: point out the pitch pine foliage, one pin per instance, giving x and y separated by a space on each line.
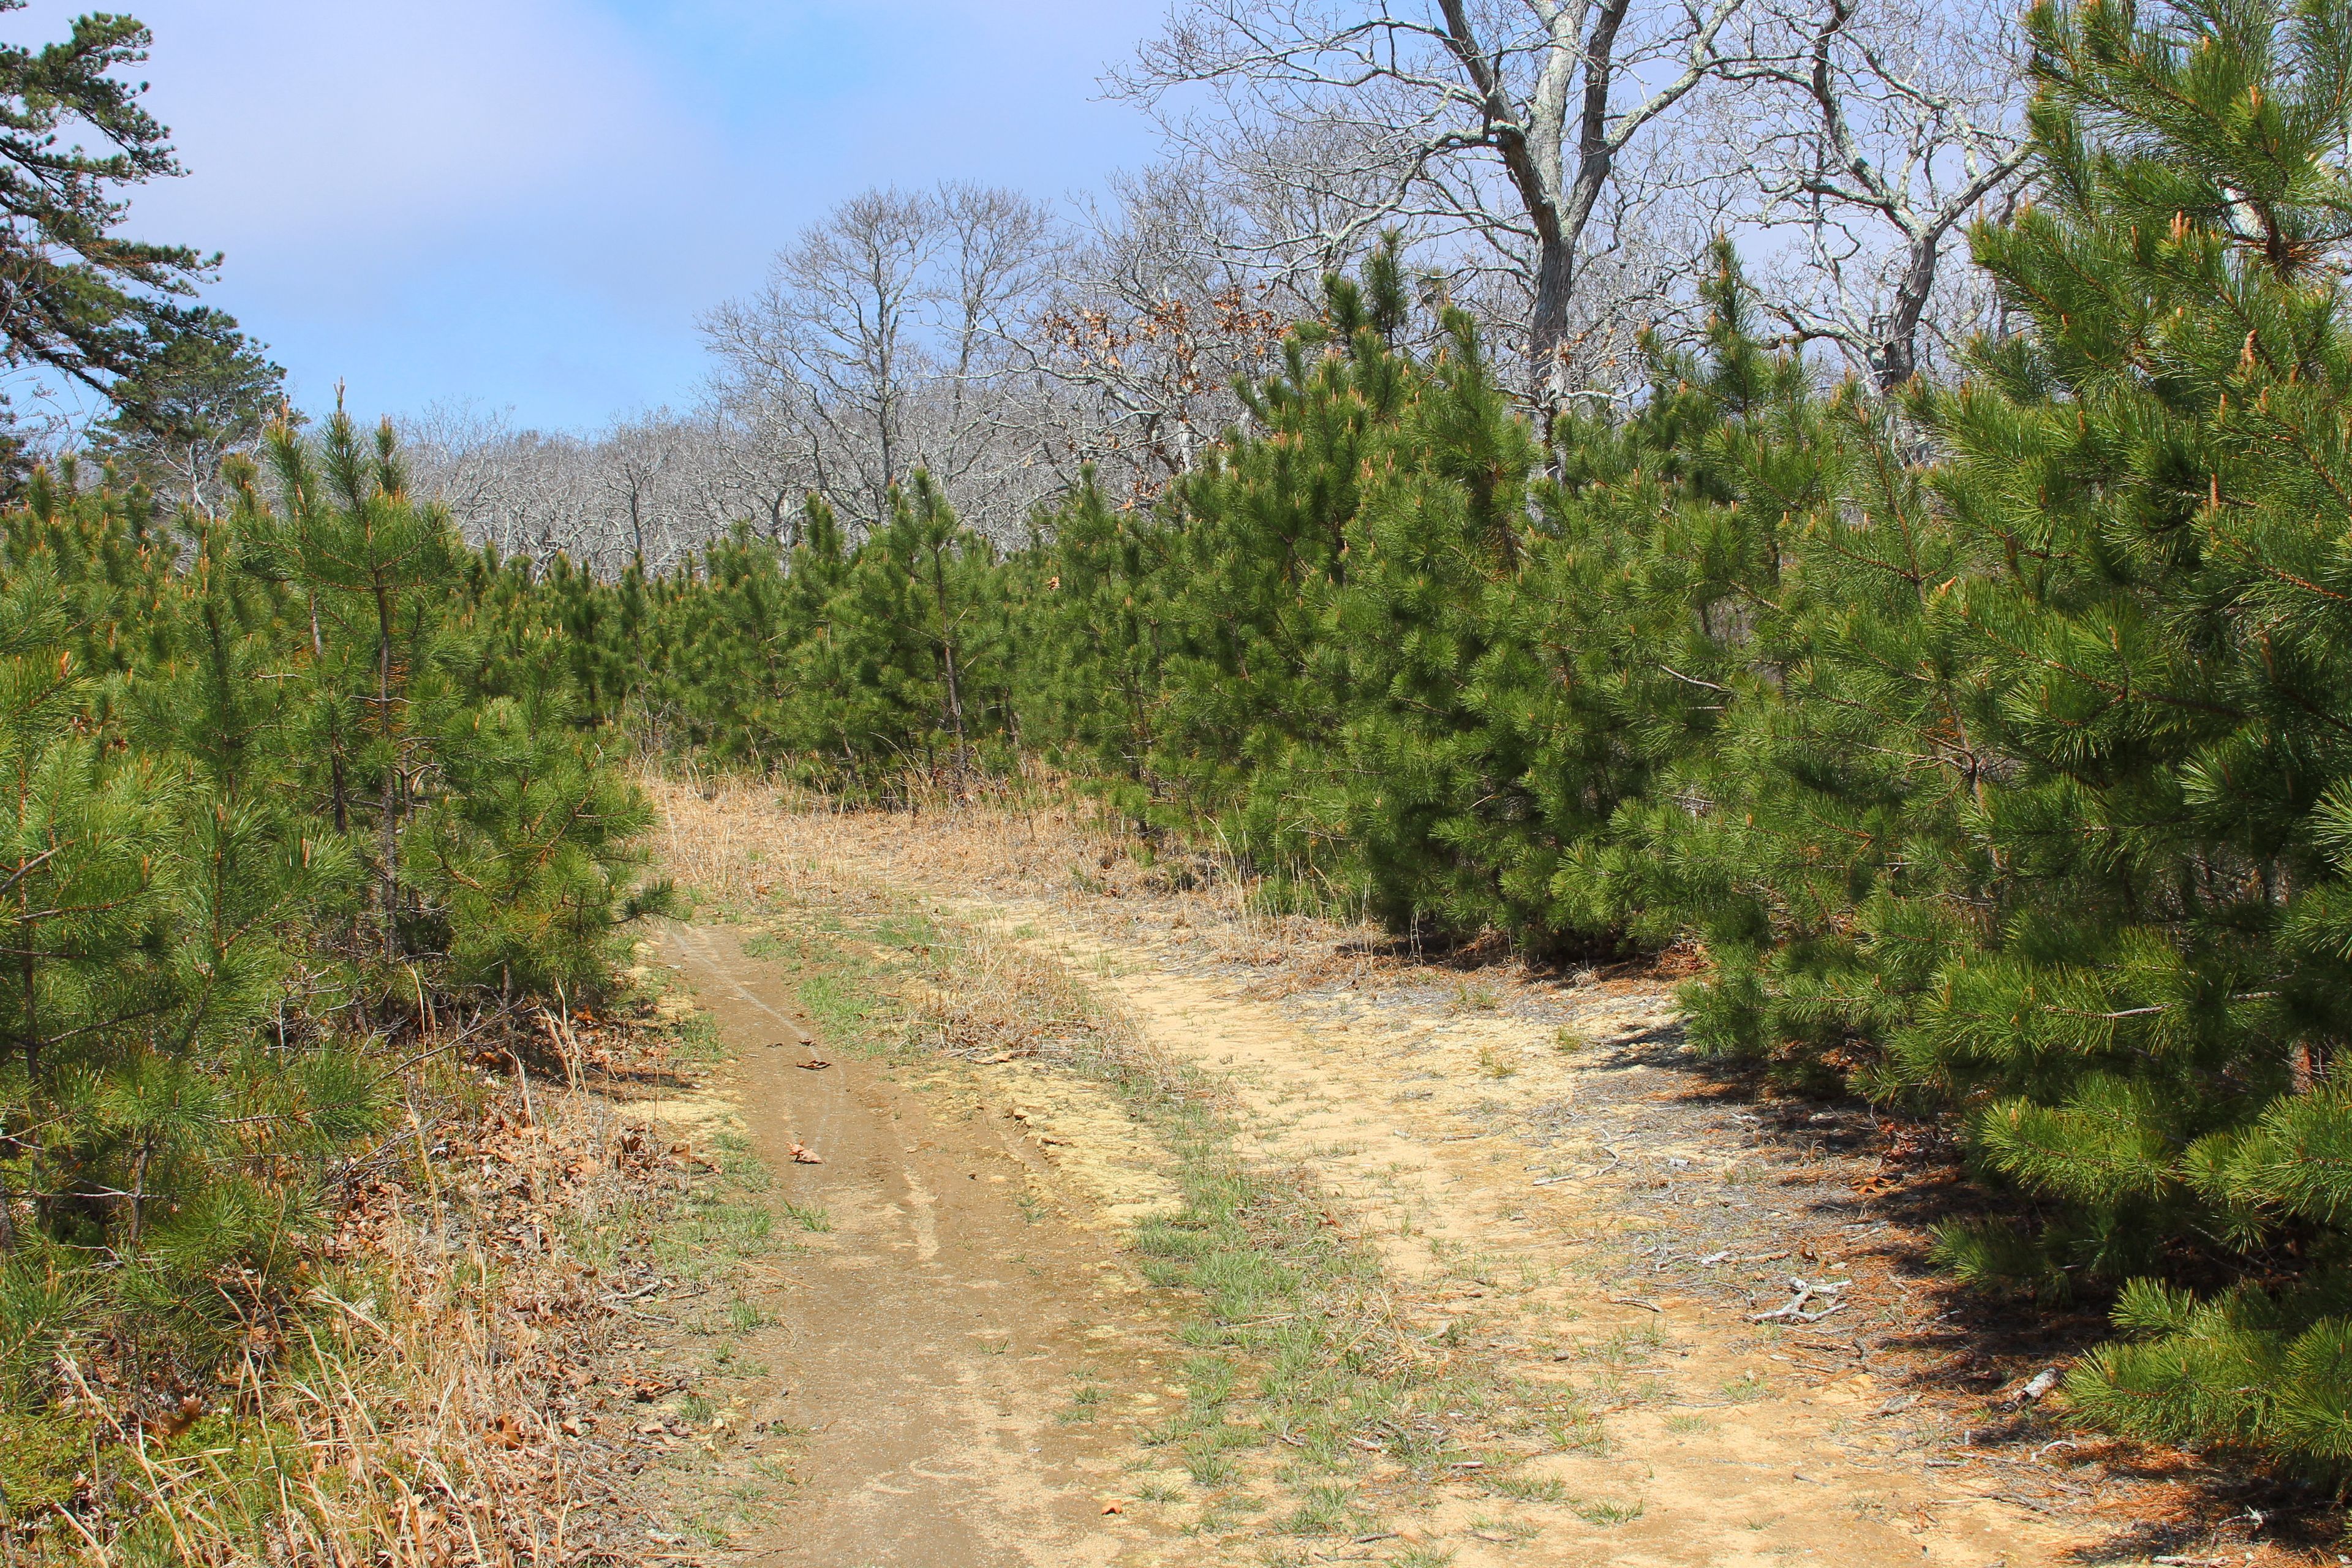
271 782
1991 739
2151 487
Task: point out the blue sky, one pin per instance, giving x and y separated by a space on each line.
527 202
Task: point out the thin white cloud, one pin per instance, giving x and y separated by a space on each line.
531 201
394 125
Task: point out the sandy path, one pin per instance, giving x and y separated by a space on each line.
1507 1159
927 1343
1793 1476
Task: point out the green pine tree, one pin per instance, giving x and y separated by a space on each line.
1091 667
2030 803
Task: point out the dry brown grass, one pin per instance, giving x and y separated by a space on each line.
423 1405
736 841
976 991
988 998
733 840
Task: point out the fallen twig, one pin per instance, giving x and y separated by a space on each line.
1793 1310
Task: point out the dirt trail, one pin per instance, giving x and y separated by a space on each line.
1773 1478
1545 1180
927 1343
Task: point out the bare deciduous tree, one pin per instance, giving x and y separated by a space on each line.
762 467
1155 313
1501 121
880 345
1550 165
638 492
1860 135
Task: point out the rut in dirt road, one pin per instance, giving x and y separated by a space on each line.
927 1342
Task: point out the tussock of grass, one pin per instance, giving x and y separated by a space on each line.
1476 996
1529 1489
808 1217
1422 1557
1608 1512
1325 1508
1747 1386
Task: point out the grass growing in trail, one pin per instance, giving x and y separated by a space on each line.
1609 1511
808 1217
1747 1386
1305 1387
1529 1489
840 1010
1299 1339
1086 1404
723 1221
1326 1510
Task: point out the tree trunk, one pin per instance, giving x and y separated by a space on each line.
334 737
32 1023
948 657
1547 329
388 810
139 1190
1894 358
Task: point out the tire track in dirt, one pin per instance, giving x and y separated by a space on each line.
923 1347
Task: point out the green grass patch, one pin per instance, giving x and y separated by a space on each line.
1300 1369
1529 1489
808 1216
1608 1512
41 1452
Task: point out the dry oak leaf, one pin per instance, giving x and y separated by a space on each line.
803 1155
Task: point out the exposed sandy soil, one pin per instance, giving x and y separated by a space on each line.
1549 1177
924 1345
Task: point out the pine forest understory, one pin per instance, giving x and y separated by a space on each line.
1963 728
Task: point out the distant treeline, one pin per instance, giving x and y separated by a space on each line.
1992 735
